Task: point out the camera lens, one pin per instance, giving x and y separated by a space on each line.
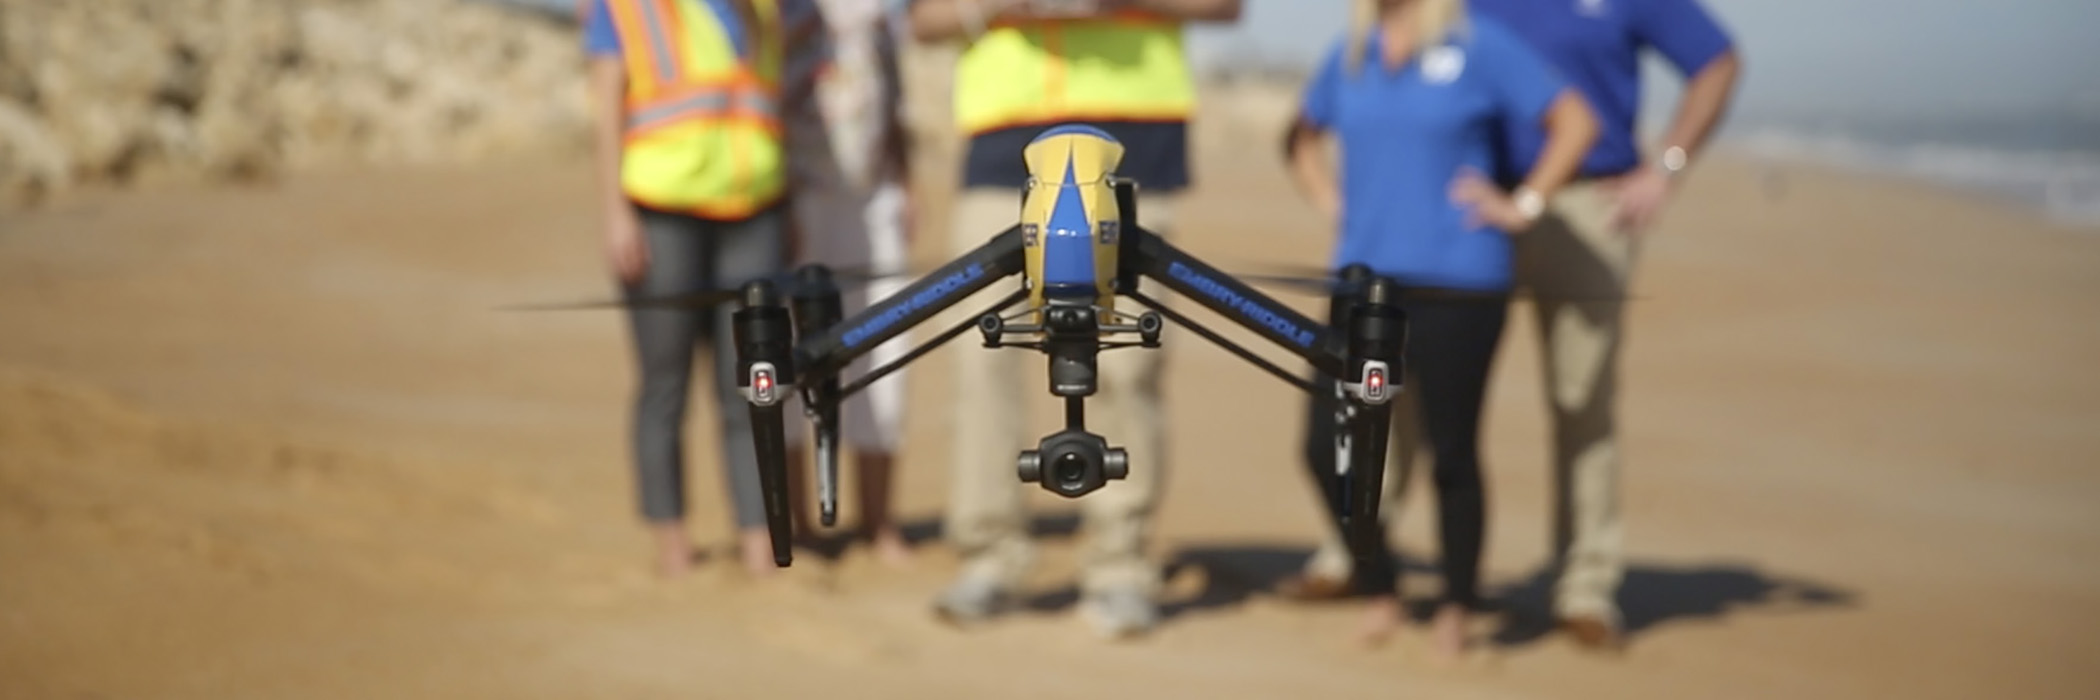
1070 470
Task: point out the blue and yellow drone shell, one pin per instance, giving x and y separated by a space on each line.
1069 219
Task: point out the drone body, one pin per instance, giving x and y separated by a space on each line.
1070 219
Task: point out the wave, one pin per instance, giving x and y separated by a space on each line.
2064 184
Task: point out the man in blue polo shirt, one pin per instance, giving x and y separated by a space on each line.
1579 260
1579 257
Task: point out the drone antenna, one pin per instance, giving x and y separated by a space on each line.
760 293
1380 291
813 276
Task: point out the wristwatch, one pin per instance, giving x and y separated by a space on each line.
1674 160
1530 203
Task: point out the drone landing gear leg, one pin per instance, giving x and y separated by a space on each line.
1376 332
1332 412
764 343
817 306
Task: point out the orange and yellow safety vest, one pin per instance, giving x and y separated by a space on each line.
1128 67
703 132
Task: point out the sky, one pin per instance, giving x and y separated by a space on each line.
1810 59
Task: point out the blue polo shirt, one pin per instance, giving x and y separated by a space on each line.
1597 44
1405 134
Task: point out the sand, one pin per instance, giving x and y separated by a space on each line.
274 442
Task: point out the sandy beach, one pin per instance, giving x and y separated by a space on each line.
274 441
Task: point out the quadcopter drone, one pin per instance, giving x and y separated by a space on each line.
1077 248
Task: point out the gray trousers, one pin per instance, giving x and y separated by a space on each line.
688 254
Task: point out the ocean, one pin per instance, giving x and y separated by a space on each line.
2050 162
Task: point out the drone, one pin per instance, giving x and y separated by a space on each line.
1078 249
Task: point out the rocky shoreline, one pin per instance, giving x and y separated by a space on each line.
116 91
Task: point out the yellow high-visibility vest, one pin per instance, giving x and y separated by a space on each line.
702 132
1130 67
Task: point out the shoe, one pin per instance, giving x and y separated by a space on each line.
970 600
1120 613
1311 588
1594 632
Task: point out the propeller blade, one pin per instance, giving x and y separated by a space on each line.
1310 285
689 300
1323 282
785 281
864 274
867 273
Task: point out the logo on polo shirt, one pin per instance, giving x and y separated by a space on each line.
1443 64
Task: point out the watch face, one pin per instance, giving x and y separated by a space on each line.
1531 204
1673 159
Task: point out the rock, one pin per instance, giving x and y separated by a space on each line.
35 161
102 91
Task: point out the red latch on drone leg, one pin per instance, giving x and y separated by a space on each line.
1372 386
762 390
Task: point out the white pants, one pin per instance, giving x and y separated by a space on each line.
844 227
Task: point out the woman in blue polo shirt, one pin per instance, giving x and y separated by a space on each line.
1417 95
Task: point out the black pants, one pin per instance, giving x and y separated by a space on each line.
1450 349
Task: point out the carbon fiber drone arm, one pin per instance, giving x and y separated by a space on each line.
772 362
828 352
1233 299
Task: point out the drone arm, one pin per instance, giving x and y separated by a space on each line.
828 352
967 325
1222 341
1233 299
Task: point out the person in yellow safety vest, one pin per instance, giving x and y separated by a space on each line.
692 179
1118 65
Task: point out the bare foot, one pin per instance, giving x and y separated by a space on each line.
891 549
674 552
757 546
1381 620
1447 634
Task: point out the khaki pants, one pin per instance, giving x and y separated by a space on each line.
1577 269
985 519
